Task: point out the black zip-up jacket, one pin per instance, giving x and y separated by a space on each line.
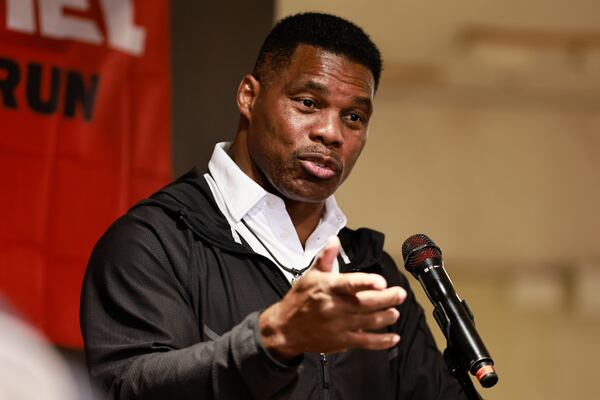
170 307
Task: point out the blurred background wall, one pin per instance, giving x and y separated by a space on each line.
214 44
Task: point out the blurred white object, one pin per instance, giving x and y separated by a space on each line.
30 368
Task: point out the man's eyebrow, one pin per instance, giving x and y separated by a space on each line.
364 101
310 84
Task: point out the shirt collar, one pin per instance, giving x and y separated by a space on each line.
240 193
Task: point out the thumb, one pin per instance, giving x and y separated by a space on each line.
324 261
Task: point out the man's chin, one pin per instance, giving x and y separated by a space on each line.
308 192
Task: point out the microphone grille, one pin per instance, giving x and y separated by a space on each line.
417 249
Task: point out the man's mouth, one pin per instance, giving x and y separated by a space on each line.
319 165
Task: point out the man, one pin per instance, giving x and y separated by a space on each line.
203 290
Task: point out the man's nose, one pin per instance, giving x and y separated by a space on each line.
328 129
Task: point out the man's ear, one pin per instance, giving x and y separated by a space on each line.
247 94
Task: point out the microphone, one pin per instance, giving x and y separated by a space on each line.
423 259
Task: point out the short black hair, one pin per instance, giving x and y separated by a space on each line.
326 31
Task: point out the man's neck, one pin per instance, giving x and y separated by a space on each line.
305 217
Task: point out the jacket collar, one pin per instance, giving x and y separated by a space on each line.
189 201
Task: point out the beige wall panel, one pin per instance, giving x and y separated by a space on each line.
494 184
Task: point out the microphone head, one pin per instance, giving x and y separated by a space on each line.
417 249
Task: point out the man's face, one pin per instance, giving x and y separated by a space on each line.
308 125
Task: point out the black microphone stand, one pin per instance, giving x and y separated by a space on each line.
452 357
460 373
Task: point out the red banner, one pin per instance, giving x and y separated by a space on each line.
84 133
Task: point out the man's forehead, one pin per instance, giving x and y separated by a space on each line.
311 66
307 51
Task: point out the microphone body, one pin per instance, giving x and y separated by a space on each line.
423 260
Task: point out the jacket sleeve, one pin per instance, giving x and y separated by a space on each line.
422 371
142 335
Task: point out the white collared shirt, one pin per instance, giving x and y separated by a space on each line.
242 199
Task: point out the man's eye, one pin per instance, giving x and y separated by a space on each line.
354 117
308 103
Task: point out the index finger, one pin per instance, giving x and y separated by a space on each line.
353 282
371 300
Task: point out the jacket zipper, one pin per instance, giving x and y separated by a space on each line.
323 357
